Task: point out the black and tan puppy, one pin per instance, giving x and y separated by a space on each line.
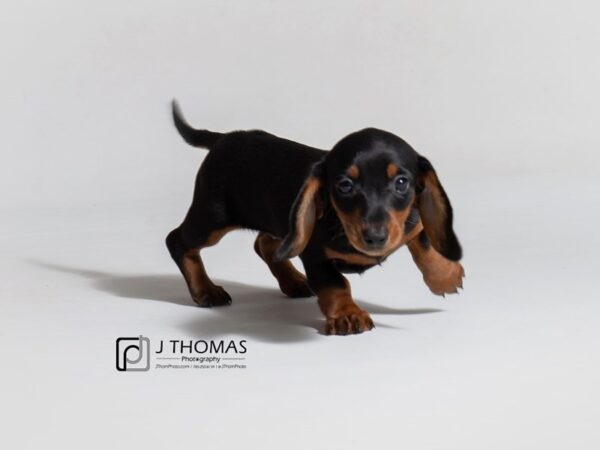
345 210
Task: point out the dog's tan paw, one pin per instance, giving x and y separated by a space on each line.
353 320
295 286
212 296
445 278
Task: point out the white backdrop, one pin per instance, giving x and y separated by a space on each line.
481 87
501 96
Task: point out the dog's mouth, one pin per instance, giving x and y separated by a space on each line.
379 252
355 238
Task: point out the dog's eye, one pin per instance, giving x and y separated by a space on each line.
401 184
345 186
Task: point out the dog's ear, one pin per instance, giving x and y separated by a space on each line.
307 208
436 212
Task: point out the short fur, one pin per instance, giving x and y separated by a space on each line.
343 210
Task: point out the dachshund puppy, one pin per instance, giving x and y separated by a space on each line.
341 211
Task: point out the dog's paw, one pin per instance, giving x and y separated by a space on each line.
295 286
212 296
352 320
445 278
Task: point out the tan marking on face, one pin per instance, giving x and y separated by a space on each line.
351 258
396 226
353 171
392 170
353 226
441 275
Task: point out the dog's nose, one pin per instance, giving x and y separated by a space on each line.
375 236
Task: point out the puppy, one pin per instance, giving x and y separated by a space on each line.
342 211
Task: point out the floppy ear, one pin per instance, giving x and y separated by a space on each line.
307 208
436 212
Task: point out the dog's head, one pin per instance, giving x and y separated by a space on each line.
378 186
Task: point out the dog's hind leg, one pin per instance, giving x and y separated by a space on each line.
198 231
291 282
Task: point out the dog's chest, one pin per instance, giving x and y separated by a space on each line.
351 261
343 255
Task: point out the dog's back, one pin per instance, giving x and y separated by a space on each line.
256 173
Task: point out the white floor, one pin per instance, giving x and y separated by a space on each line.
511 363
502 97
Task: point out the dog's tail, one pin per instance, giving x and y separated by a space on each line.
197 138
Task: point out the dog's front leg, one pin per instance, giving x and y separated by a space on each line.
441 275
343 316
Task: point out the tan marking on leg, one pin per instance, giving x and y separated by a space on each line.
203 291
342 314
291 282
195 274
441 275
216 236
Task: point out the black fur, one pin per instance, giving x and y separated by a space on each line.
197 138
255 180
